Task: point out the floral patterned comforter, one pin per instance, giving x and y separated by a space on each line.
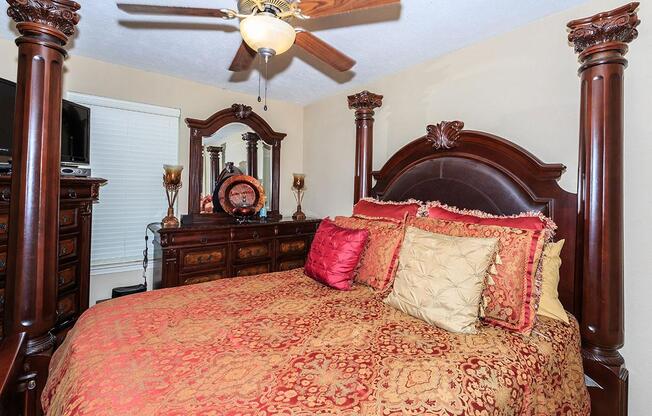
282 344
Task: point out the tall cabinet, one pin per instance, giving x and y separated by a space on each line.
76 200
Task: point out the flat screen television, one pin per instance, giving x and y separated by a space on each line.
75 127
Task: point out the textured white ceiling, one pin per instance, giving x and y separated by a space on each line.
383 41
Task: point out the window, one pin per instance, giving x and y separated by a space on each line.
130 142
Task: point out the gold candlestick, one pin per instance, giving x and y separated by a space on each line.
172 184
298 186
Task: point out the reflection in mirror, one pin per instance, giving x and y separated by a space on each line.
231 144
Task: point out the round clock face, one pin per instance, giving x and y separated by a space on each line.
241 191
242 195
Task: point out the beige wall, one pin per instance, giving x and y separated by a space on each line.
89 76
522 86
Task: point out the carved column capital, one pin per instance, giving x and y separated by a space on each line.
609 30
251 139
214 151
55 17
364 103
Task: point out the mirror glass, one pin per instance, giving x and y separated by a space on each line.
227 146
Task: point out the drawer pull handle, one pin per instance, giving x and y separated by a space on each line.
298 230
2 300
256 235
61 280
65 219
3 264
72 194
3 227
203 240
5 195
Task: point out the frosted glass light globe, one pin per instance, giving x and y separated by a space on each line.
266 32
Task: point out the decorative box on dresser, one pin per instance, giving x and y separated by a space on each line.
76 199
192 254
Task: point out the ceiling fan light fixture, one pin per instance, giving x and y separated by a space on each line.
264 32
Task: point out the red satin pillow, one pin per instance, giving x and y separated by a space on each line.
335 254
368 207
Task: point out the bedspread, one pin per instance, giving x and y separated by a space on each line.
282 344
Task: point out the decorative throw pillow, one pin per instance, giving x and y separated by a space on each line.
335 254
380 258
511 297
549 304
370 207
525 220
440 278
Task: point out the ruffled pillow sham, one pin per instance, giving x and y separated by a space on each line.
511 297
370 207
380 258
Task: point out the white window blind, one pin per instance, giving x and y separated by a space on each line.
130 142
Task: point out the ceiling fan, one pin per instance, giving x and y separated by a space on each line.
266 26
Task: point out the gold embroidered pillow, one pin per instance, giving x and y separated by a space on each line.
380 258
549 305
440 278
511 297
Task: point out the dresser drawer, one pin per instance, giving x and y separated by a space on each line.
214 275
71 192
255 251
203 258
293 246
4 226
297 228
289 264
253 269
67 276
253 233
67 307
68 218
67 247
214 237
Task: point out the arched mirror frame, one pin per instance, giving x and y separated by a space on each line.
199 129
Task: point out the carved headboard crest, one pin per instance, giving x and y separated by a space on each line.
241 111
445 134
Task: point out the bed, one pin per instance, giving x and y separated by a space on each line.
283 344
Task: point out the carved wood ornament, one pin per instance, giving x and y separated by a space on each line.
445 134
241 111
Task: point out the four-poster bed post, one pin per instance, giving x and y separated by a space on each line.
364 104
44 26
593 288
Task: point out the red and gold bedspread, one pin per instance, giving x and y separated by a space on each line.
282 344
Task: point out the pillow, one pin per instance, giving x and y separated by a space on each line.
380 258
369 207
511 297
549 304
440 278
335 254
525 220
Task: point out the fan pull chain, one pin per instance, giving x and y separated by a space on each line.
266 81
259 76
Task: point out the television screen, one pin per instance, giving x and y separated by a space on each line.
7 103
75 131
75 127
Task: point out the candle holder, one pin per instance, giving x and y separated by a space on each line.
298 186
172 184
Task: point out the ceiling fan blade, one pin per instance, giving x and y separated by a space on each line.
243 58
322 50
323 8
171 10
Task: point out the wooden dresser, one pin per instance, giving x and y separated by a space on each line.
200 253
77 196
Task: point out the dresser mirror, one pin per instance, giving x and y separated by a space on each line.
233 140
236 145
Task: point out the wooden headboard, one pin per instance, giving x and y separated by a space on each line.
475 170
